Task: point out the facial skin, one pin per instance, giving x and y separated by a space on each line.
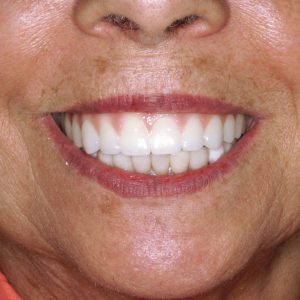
64 236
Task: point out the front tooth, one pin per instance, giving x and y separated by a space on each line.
160 164
229 129
106 159
180 162
213 135
165 136
240 125
110 141
214 155
142 164
68 126
90 137
192 135
134 140
76 131
198 159
123 162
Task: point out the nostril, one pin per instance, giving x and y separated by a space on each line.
121 21
183 22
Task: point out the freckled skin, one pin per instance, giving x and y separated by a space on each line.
65 237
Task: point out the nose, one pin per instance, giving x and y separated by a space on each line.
151 18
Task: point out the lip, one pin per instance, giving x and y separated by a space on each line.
133 185
166 103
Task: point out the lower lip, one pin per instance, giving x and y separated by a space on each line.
133 185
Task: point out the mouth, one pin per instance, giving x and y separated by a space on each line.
155 146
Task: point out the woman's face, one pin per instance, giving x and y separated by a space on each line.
142 235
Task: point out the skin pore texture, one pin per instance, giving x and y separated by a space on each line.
64 236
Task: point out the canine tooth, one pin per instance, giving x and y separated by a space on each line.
229 129
165 137
76 131
110 141
68 126
142 164
240 125
180 162
213 135
90 137
192 135
198 159
160 164
214 155
123 162
106 159
134 140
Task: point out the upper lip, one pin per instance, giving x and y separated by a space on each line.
162 103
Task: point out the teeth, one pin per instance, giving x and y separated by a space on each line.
76 131
134 140
214 155
90 137
213 135
108 136
106 159
180 162
229 129
227 147
161 164
123 162
142 164
165 137
240 126
155 144
198 159
68 126
192 135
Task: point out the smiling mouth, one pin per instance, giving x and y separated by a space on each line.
138 148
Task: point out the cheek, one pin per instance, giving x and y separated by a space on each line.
271 29
17 185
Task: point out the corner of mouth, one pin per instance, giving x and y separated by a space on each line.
153 146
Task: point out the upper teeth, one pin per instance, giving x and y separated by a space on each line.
155 143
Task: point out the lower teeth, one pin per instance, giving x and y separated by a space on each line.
178 163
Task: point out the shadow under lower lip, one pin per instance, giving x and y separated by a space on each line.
133 185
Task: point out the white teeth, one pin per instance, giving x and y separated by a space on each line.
180 162
213 135
68 126
76 131
165 137
227 147
192 135
110 141
240 126
198 159
229 129
90 137
142 164
155 144
123 162
106 159
134 140
160 164
214 155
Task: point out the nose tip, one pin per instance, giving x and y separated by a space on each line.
152 18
